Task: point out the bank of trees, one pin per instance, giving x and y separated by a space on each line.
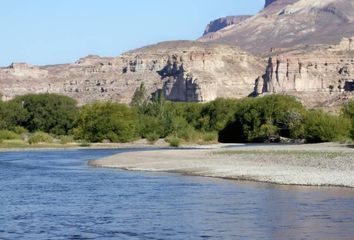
262 119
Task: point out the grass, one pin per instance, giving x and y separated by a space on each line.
287 153
14 144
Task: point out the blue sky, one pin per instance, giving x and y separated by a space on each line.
61 31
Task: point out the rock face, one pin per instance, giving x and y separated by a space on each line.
184 71
221 23
309 45
314 74
268 2
287 23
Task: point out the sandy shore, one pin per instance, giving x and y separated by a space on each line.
73 146
316 165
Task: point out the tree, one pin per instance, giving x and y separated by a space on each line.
348 111
51 113
107 121
323 127
139 97
258 119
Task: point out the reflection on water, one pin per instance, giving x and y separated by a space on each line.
55 195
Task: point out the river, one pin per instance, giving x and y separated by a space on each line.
56 195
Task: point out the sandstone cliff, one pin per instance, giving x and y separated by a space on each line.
316 74
221 23
184 71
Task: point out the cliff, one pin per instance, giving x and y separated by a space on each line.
315 74
221 23
184 71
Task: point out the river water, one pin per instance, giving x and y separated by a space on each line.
55 195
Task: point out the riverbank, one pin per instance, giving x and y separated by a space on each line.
314 165
20 146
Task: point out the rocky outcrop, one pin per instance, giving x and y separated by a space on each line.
221 23
289 23
314 75
268 2
184 71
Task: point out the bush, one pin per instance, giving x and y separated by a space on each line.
12 114
66 140
348 111
152 138
49 113
174 142
8 135
209 137
182 130
149 125
323 127
263 118
107 121
40 137
20 130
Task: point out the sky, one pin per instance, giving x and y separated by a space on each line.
45 32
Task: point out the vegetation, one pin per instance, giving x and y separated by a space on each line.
40 137
174 142
265 118
348 111
106 121
323 127
48 118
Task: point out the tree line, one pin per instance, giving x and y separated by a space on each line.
262 119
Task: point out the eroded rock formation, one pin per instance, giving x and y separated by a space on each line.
314 74
184 71
221 23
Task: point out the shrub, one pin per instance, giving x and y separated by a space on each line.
49 113
152 137
258 119
20 130
210 137
9 135
107 121
40 137
174 142
182 130
323 127
348 111
66 140
149 125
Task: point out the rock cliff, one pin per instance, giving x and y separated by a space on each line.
303 47
184 71
221 23
315 74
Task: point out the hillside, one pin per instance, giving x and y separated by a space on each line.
289 23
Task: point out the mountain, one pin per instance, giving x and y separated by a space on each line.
183 70
289 23
302 48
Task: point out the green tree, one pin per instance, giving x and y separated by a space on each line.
139 97
12 114
107 121
51 113
323 127
348 111
258 119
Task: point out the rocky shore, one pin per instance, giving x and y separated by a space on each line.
313 165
